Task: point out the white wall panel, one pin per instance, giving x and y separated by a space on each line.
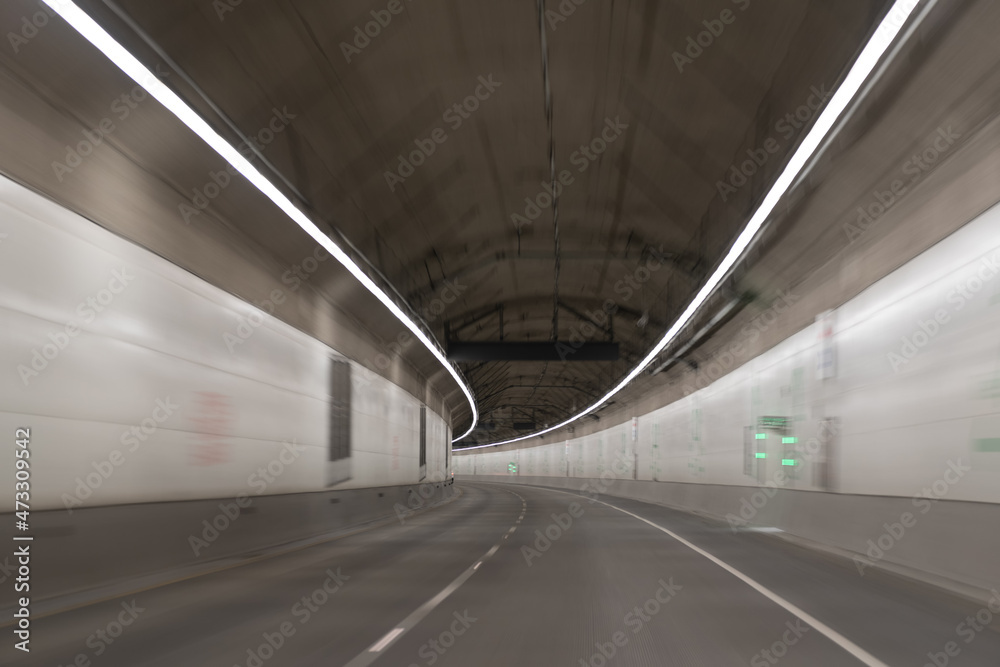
162 337
901 421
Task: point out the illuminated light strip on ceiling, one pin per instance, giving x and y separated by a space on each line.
135 70
876 47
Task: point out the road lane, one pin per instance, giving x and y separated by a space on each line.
217 618
518 575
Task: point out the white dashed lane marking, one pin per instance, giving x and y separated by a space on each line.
408 623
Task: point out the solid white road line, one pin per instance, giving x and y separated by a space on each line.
831 634
385 641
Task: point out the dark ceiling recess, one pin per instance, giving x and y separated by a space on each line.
553 351
581 203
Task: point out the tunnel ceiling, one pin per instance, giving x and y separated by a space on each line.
642 217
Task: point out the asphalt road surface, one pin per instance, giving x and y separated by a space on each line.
472 584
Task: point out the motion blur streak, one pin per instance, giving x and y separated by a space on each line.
148 80
778 222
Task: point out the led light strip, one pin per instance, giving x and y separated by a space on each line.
890 26
131 66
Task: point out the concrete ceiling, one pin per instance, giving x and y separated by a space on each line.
446 236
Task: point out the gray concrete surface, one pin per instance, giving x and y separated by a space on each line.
948 546
575 598
97 548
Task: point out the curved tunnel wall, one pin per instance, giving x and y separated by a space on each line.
895 414
143 386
